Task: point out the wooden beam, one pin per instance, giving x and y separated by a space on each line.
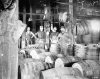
31 13
24 15
71 10
66 3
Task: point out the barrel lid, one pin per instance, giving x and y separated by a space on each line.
59 62
48 60
76 65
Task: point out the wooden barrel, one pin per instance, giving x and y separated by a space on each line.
25 72
54 48
34 52
51 58
89 68
39 50
32 70
29 50
95 37
68 77
66 61
57 72
41 43
81 28
42 56
80 51
92 53
87 39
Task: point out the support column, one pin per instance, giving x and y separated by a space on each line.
70 25
24 15
10 32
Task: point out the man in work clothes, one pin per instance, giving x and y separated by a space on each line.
63 40
29 36
54 35
41 37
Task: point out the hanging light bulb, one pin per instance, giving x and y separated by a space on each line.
30 19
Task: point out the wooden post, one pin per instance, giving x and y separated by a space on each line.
70 24
24 15
9 44
30 11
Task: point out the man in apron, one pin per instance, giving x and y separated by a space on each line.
54 35
64 41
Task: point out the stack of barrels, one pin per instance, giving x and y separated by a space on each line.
87 31
84 64
89 52
60 67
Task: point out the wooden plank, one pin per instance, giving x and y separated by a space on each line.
31 13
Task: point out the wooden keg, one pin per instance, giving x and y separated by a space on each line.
66 61
87 39
51 58
57 72
42 56
26 72
69 77
80 51
95 37
89 68
32 70
81 28
34 52
92 52
54 48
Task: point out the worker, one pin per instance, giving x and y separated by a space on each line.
54 35
64 40
41 36
29 36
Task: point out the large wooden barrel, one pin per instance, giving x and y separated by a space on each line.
42 56
92 52
66 61
87 39
95 37
80 51
54 48
51 73
39 50
34 52
51 58
68 77
32 70
81 28
89 68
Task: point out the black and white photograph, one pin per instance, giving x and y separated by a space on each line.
49 39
